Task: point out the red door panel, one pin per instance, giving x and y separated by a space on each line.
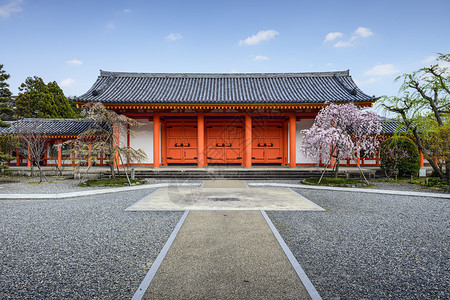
267 142
224 142
181 142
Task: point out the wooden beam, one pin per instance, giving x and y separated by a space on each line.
248 141
200 141
156 129
59 153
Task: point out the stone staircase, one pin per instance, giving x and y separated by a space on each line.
271 174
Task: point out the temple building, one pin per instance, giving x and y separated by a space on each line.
206 119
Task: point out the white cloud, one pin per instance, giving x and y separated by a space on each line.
366 82
174 36
361 32
382 70
110 26
333 35
445 64
67 82
342 44
12 7
429 59
260 58
127 10
75 62
263 35
432 60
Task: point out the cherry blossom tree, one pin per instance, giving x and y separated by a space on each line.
339 132
103 138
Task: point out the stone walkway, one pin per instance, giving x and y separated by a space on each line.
225 255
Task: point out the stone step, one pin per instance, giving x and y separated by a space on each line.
225 174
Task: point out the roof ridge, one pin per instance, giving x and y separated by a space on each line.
226 75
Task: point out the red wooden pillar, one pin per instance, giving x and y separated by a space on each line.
156 129
29 157
163 143
292 142
59 153
358 157
332 159
201 141
421 158
17 157
285 144
248 141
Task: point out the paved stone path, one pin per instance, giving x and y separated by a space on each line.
225 255
225 199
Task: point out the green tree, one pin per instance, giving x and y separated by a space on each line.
6 113
424 107
399 153
40 100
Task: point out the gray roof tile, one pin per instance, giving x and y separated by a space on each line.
49 126
77 126
318 87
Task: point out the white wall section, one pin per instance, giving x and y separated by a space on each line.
143 139
301 125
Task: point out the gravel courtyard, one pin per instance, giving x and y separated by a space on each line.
81 248
364 246
371 246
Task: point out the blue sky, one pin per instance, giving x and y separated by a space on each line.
70 41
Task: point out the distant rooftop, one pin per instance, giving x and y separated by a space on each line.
77 126
49 126
231 88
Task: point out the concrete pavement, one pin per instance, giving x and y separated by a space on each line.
226 255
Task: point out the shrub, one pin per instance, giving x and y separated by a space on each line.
400 153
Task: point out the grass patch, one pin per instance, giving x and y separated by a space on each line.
112 182
38 182
336 182
432 183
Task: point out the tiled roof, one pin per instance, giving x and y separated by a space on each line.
319 87
49 126
391 127
77 126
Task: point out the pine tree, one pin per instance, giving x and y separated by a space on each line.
40 100
6 113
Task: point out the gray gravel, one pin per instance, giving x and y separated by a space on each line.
83 248
371 246
378 185
364 246
58 185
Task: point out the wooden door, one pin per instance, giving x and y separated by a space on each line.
224 142
274 143
267 142
181 142
234 142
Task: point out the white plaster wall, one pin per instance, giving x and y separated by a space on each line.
143 139
122 140
122 135
301 125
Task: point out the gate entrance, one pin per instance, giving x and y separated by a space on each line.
224 142
181 142
267 142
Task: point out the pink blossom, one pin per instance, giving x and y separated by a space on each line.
343 128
